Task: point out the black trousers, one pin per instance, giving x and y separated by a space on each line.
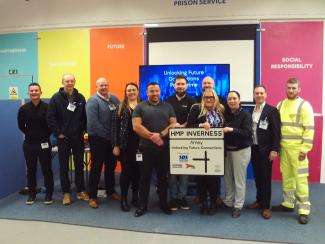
130 174
34 152
101 153
158 159
65 146
262 168
208 184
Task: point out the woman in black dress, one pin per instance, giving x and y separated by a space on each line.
126 143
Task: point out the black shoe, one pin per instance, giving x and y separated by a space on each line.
184 205
282 208
303 219
124 205
31 199
166 210
174 206
139 212
48 199
236 213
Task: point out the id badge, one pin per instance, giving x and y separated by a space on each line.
45 145
71 107
111 107
138 157
264 124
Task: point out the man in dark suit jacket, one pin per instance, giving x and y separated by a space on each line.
265 148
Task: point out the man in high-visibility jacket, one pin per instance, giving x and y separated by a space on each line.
297 132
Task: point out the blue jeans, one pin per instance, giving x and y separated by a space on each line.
178 186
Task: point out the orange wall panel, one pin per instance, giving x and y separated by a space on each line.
116 54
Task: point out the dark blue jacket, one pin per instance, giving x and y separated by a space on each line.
63 121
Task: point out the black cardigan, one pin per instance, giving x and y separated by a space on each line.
120 125
241 136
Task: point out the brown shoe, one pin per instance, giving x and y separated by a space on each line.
83 196
115 196
266 213
254 205
66 199
93 203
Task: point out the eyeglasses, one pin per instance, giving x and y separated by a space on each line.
208 97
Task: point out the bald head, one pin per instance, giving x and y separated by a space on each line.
68 82
102 86
207 83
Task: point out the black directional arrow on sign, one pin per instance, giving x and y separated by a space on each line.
205 159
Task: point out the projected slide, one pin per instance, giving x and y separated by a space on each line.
165 75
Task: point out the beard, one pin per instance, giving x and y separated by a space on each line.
180 94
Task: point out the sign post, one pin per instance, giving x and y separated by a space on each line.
196 151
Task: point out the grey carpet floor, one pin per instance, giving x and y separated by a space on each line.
282 227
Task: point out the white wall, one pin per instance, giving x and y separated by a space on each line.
20 15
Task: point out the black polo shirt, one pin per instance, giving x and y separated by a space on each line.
32 122
181 107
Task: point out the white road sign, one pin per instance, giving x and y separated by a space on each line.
196 151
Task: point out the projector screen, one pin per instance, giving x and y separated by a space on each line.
238 53
194 73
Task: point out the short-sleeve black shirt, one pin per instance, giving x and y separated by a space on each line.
155 118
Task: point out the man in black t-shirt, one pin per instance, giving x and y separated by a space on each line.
32 122
181 103
151 120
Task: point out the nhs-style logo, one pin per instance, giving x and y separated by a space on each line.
183 158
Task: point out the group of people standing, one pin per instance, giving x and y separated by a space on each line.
136 133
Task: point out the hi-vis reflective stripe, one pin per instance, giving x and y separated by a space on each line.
289 193
304 206
296 123
309 127
291 137
308 141
303 199
299 111
289 200
302 171
293 124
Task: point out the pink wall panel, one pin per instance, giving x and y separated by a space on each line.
295 49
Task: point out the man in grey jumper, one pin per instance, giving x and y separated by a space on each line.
99 109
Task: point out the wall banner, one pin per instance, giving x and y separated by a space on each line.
116 53
18 63
295 49
60 52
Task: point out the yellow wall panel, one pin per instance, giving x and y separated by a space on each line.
60 52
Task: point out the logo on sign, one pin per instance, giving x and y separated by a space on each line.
183 158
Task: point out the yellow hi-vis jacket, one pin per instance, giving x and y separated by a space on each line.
297 124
